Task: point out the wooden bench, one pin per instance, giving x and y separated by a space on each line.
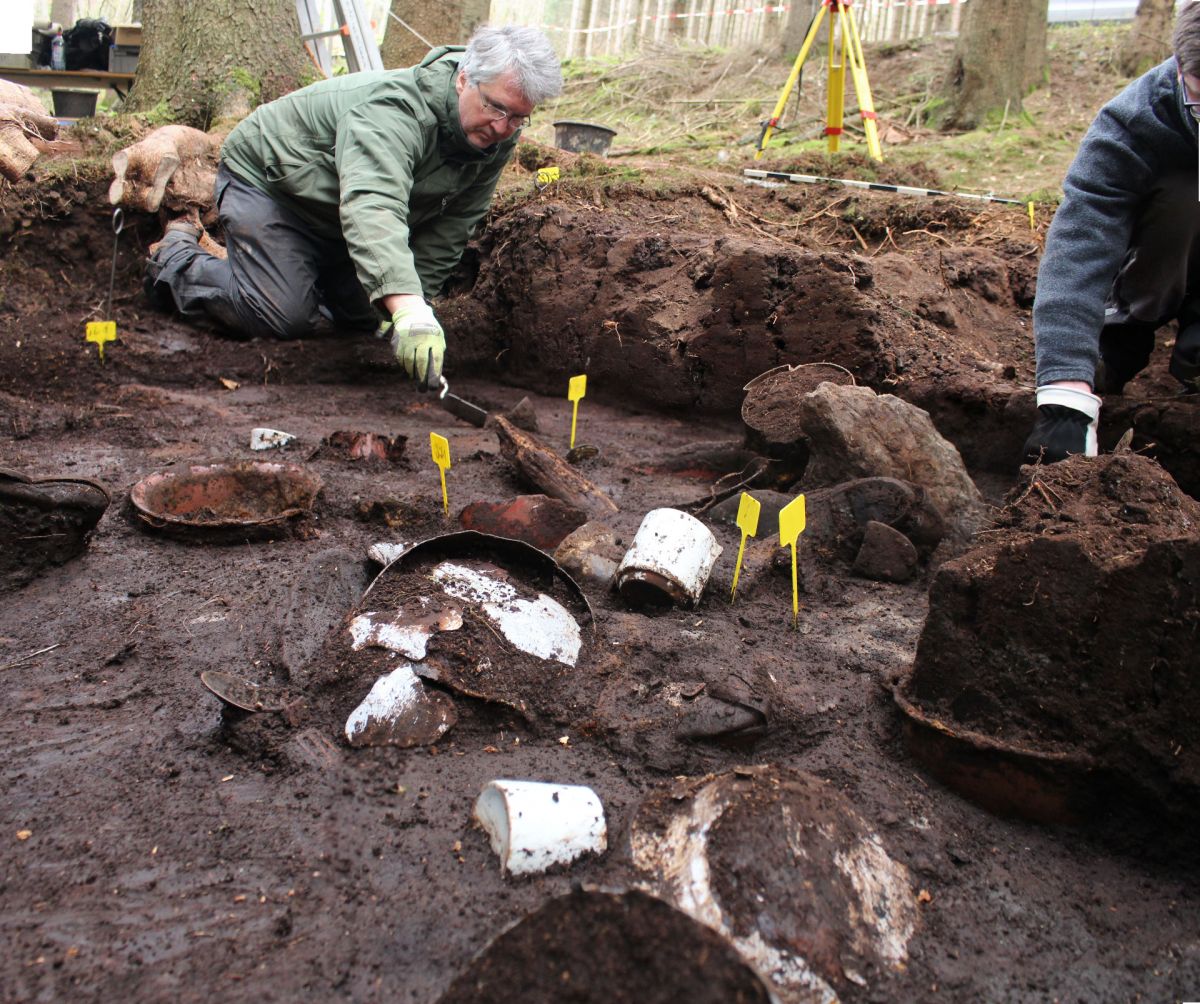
56 79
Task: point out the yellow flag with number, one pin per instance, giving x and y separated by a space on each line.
576 390
101 332
747 521
440 448
792 521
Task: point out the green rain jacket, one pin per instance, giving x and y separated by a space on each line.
380 160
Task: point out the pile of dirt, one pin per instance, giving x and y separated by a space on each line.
634 946
683 317
1072 630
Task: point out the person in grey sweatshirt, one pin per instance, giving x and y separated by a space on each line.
1123 252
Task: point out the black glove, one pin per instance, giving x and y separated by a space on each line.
1066 425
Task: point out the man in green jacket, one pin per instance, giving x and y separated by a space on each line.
353 198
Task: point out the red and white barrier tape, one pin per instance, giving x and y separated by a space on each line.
866 5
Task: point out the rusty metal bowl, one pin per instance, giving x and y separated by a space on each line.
234 500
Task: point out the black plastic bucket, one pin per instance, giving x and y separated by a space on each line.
583 137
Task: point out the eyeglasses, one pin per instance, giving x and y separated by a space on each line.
497 112
1193 107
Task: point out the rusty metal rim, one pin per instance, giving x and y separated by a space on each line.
788 368
984 743
137 495
468 543
8 474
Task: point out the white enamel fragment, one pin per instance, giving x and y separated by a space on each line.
269 439
390 697
541 627
385 552
400 711
533 825
406 631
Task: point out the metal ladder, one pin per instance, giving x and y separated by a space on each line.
354 28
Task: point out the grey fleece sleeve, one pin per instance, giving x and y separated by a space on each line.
1086 245
1141 137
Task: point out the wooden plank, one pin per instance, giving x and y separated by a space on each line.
538 464
55 79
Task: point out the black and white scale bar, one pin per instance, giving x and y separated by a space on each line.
873 186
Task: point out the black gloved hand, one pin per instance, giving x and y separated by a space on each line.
1066 425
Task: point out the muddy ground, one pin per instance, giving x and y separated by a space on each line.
154 850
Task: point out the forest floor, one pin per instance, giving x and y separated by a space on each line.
159 845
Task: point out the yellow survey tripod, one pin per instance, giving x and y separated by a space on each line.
845 48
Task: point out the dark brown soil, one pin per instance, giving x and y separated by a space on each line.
1091 584
155 850
634 946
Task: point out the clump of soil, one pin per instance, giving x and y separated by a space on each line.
1072 628
635 947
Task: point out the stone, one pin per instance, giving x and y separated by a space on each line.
885 555
523 416
590 554
852 432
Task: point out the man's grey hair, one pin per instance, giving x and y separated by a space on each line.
526 52
1186 39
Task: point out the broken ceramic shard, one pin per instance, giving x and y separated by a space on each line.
541 627
400 710
269 439
385 552
407 631
778 862
533 825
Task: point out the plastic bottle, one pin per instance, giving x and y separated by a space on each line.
58 53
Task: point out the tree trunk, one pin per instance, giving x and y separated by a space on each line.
437 22
799 18
1037 19
212 59
63 12
1149 40
1000 55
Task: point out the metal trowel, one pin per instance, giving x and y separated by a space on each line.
459 407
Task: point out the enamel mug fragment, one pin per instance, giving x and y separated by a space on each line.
533 825
670 561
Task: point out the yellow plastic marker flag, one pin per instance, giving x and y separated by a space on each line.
576 389
747 521
440 449
545 175
791 525
101 332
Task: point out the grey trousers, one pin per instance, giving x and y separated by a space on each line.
279 279
1159 280
1161 272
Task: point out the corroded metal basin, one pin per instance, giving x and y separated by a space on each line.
219 499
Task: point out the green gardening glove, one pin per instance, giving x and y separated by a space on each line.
419 344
